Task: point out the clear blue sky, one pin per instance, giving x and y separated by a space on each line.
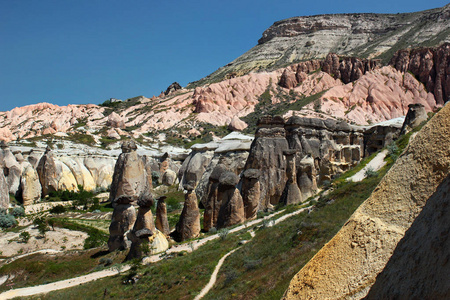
87 51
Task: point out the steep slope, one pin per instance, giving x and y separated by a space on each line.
419 267
362 35
346 266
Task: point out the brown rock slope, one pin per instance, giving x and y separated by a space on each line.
346 267
420 266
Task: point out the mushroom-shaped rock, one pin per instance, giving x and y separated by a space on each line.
212 204
122 221
130 178
188 225
232 207
251 192
162 223
291 193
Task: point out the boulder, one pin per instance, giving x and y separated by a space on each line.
30 186
415 116
237 124
162 223
232 206
169 178
172 88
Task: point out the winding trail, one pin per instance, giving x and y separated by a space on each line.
189 247
376 163
213 279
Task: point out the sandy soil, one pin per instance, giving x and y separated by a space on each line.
59 239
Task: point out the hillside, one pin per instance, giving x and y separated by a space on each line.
362 35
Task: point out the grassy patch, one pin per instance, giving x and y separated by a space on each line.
96 238
180 277
43 268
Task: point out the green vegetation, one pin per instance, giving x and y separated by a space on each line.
96 238
41 268
290 101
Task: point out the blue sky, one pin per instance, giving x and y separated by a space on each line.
77 51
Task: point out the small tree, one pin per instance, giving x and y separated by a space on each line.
24 237
41 224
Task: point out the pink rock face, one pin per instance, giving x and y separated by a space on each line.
237 124
116 121
379 95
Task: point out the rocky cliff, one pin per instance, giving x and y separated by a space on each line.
362 35
347 266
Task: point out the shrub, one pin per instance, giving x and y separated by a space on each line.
370 172
41 224
7 220
223 233
105 261
18 211
24 237
58 209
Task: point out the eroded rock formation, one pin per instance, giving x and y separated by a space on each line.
266 155
232 207
431 66
188 225
346 267
212 202
251 192
130 178
4 192
30 185
162 223
415 116
122 221
291 193
49 172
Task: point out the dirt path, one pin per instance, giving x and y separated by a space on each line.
376 163
59 285
213 279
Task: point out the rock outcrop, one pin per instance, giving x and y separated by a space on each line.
172 88
232 207
346 267
122 221
188 225
415 116
266 155
347 69
162 223
4 192
50 172
30 185
291 193
145 238
418 268
251 192
212 202
130 178
430 66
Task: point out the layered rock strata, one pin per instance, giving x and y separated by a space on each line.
347 266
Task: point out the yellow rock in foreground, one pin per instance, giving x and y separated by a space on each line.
347 266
